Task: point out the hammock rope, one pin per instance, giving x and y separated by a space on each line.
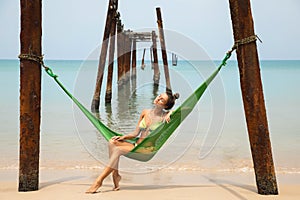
145 150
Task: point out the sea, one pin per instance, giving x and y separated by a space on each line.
212 138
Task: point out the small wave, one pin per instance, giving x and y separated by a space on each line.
150 169
139 168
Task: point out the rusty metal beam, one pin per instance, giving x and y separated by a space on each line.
163 50
254 105
30 95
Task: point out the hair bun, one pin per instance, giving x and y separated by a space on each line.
176 95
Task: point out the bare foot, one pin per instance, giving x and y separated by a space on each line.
116 179
93 189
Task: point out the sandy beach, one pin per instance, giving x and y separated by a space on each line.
208 149
64 184
71 159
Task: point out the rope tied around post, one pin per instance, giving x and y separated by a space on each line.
32 57
238 43
246 40
40 60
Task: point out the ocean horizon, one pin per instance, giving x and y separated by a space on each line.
213 138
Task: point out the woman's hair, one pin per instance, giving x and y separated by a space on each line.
171 100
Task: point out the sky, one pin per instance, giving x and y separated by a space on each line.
72 29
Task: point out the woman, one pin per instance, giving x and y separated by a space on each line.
148 121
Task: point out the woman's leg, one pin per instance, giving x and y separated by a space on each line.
125 147
114 159
116 149
115 173
116 179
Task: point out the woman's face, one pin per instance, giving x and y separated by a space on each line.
161 100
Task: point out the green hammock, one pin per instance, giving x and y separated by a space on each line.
145 150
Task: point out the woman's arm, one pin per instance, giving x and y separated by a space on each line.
167 116
135 133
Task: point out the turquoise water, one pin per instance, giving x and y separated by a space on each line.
213 137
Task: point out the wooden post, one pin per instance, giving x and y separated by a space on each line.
108 94
163 50
156 75
174 59
253 98
143 60
30 95
133 64
120 52
151 56
127 55
110 14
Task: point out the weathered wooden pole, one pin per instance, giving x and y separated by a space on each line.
254 106
151 56
163 50
112 7
108 94
124 57
143 60
30 94
120 52
133 63
127 59
156 75
174 59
